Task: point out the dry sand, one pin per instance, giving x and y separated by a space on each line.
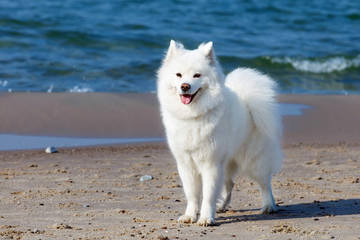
95 192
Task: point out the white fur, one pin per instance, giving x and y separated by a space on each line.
231 127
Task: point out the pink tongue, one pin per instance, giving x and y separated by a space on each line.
186 98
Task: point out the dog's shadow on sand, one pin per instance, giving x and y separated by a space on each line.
316 210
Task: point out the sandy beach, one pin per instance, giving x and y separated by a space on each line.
96 192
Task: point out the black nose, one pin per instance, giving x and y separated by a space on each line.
185 87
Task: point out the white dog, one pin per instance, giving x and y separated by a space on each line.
217 128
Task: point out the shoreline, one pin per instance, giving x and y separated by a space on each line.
133 116
29 142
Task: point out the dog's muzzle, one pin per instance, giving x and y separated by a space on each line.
187 98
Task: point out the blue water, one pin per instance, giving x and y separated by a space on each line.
25 142
116 46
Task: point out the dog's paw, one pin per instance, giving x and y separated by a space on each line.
187 219
206 221
268 209
220 210
220 207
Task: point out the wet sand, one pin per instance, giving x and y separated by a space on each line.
95 192
331 118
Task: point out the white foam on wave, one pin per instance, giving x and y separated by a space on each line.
51 88
3 83
334 64
79 89
76 89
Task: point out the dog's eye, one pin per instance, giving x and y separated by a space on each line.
179 75
197 75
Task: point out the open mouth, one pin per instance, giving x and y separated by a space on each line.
188 98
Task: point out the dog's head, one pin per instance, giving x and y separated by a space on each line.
190 79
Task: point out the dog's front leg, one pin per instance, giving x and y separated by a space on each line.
212 178
192 187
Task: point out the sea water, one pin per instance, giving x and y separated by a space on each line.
117 45
26 142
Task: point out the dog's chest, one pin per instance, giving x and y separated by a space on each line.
190 134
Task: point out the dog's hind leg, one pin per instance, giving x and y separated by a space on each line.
268 202
225 197
192 187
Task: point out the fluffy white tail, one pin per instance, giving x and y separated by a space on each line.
258 92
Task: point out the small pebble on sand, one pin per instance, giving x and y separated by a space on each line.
146 178
51 150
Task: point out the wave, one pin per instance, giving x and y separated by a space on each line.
330 74
320 75
319 65
3 83
74 89
79 89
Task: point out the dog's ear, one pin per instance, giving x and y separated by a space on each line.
173 50
208 50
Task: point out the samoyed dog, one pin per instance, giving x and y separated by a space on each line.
218 127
